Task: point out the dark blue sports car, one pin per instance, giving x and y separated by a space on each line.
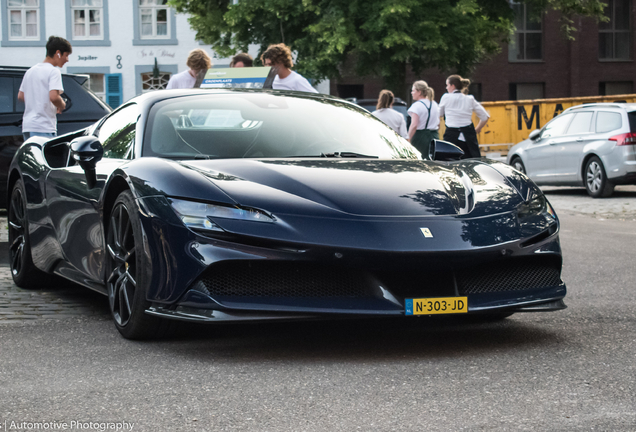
220 204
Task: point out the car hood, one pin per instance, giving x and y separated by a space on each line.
361 187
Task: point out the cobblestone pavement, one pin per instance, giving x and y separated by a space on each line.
64 300
621 205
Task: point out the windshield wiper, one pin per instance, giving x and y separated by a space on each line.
346 155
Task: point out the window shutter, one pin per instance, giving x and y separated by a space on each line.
114 94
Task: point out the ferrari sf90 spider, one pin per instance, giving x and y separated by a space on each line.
217 205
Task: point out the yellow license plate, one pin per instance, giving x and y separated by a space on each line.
436 305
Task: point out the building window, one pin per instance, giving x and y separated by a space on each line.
350 91
149 82
154 23
614 36
527 42
526 91
24 19
475 90
153 15
608 88
87 19
96 84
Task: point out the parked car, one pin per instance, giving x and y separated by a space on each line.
591 145
398 104
83 108
215 205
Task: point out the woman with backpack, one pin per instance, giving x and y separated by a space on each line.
424 118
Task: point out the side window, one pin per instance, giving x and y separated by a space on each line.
581 123
557 126
117 133
6 95
608 121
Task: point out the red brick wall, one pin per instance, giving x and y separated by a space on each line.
568 69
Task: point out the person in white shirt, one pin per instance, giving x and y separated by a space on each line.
457 108
279 56
385 112
198 62
424 114
41 91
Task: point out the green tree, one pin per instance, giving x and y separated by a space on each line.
373 37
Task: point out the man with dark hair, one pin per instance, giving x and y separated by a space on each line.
41 91
242 60
279 56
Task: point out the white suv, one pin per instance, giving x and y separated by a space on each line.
591 145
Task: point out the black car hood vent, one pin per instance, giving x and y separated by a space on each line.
359 187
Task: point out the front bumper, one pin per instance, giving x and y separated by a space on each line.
190 314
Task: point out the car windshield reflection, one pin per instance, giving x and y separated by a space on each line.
268 126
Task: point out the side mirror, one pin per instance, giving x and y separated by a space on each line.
87 151
444 151
534 134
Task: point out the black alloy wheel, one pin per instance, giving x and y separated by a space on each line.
126 273
25 273
596 182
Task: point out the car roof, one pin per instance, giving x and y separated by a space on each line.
620 105
20 70
151 98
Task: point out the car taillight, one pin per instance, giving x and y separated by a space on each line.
624 139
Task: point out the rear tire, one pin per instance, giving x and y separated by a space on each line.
517 164
126 273
596 182
25 273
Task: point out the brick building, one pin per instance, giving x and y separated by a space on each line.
541 63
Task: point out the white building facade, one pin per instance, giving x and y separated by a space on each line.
115 42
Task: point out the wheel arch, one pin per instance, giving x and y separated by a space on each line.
116 186
14 176
584 164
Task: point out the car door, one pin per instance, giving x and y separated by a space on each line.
569 147
11 110
539 160
73 207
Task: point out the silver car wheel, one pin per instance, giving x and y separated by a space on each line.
594 176
518 165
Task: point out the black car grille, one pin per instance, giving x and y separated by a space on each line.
283 279
309 280
513 275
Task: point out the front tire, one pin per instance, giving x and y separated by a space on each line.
518 165
25 273
126 273
596 182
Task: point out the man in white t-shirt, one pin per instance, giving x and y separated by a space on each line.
279 56
198 61
41 91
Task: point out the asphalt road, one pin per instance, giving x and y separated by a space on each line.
568 370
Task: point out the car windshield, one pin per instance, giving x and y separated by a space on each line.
267 125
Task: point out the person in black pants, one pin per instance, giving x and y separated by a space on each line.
457 108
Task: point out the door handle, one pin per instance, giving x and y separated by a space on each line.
551 142
579 139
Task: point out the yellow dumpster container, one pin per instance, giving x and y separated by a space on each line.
512 121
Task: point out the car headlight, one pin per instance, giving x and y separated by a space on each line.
535 206
200 216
